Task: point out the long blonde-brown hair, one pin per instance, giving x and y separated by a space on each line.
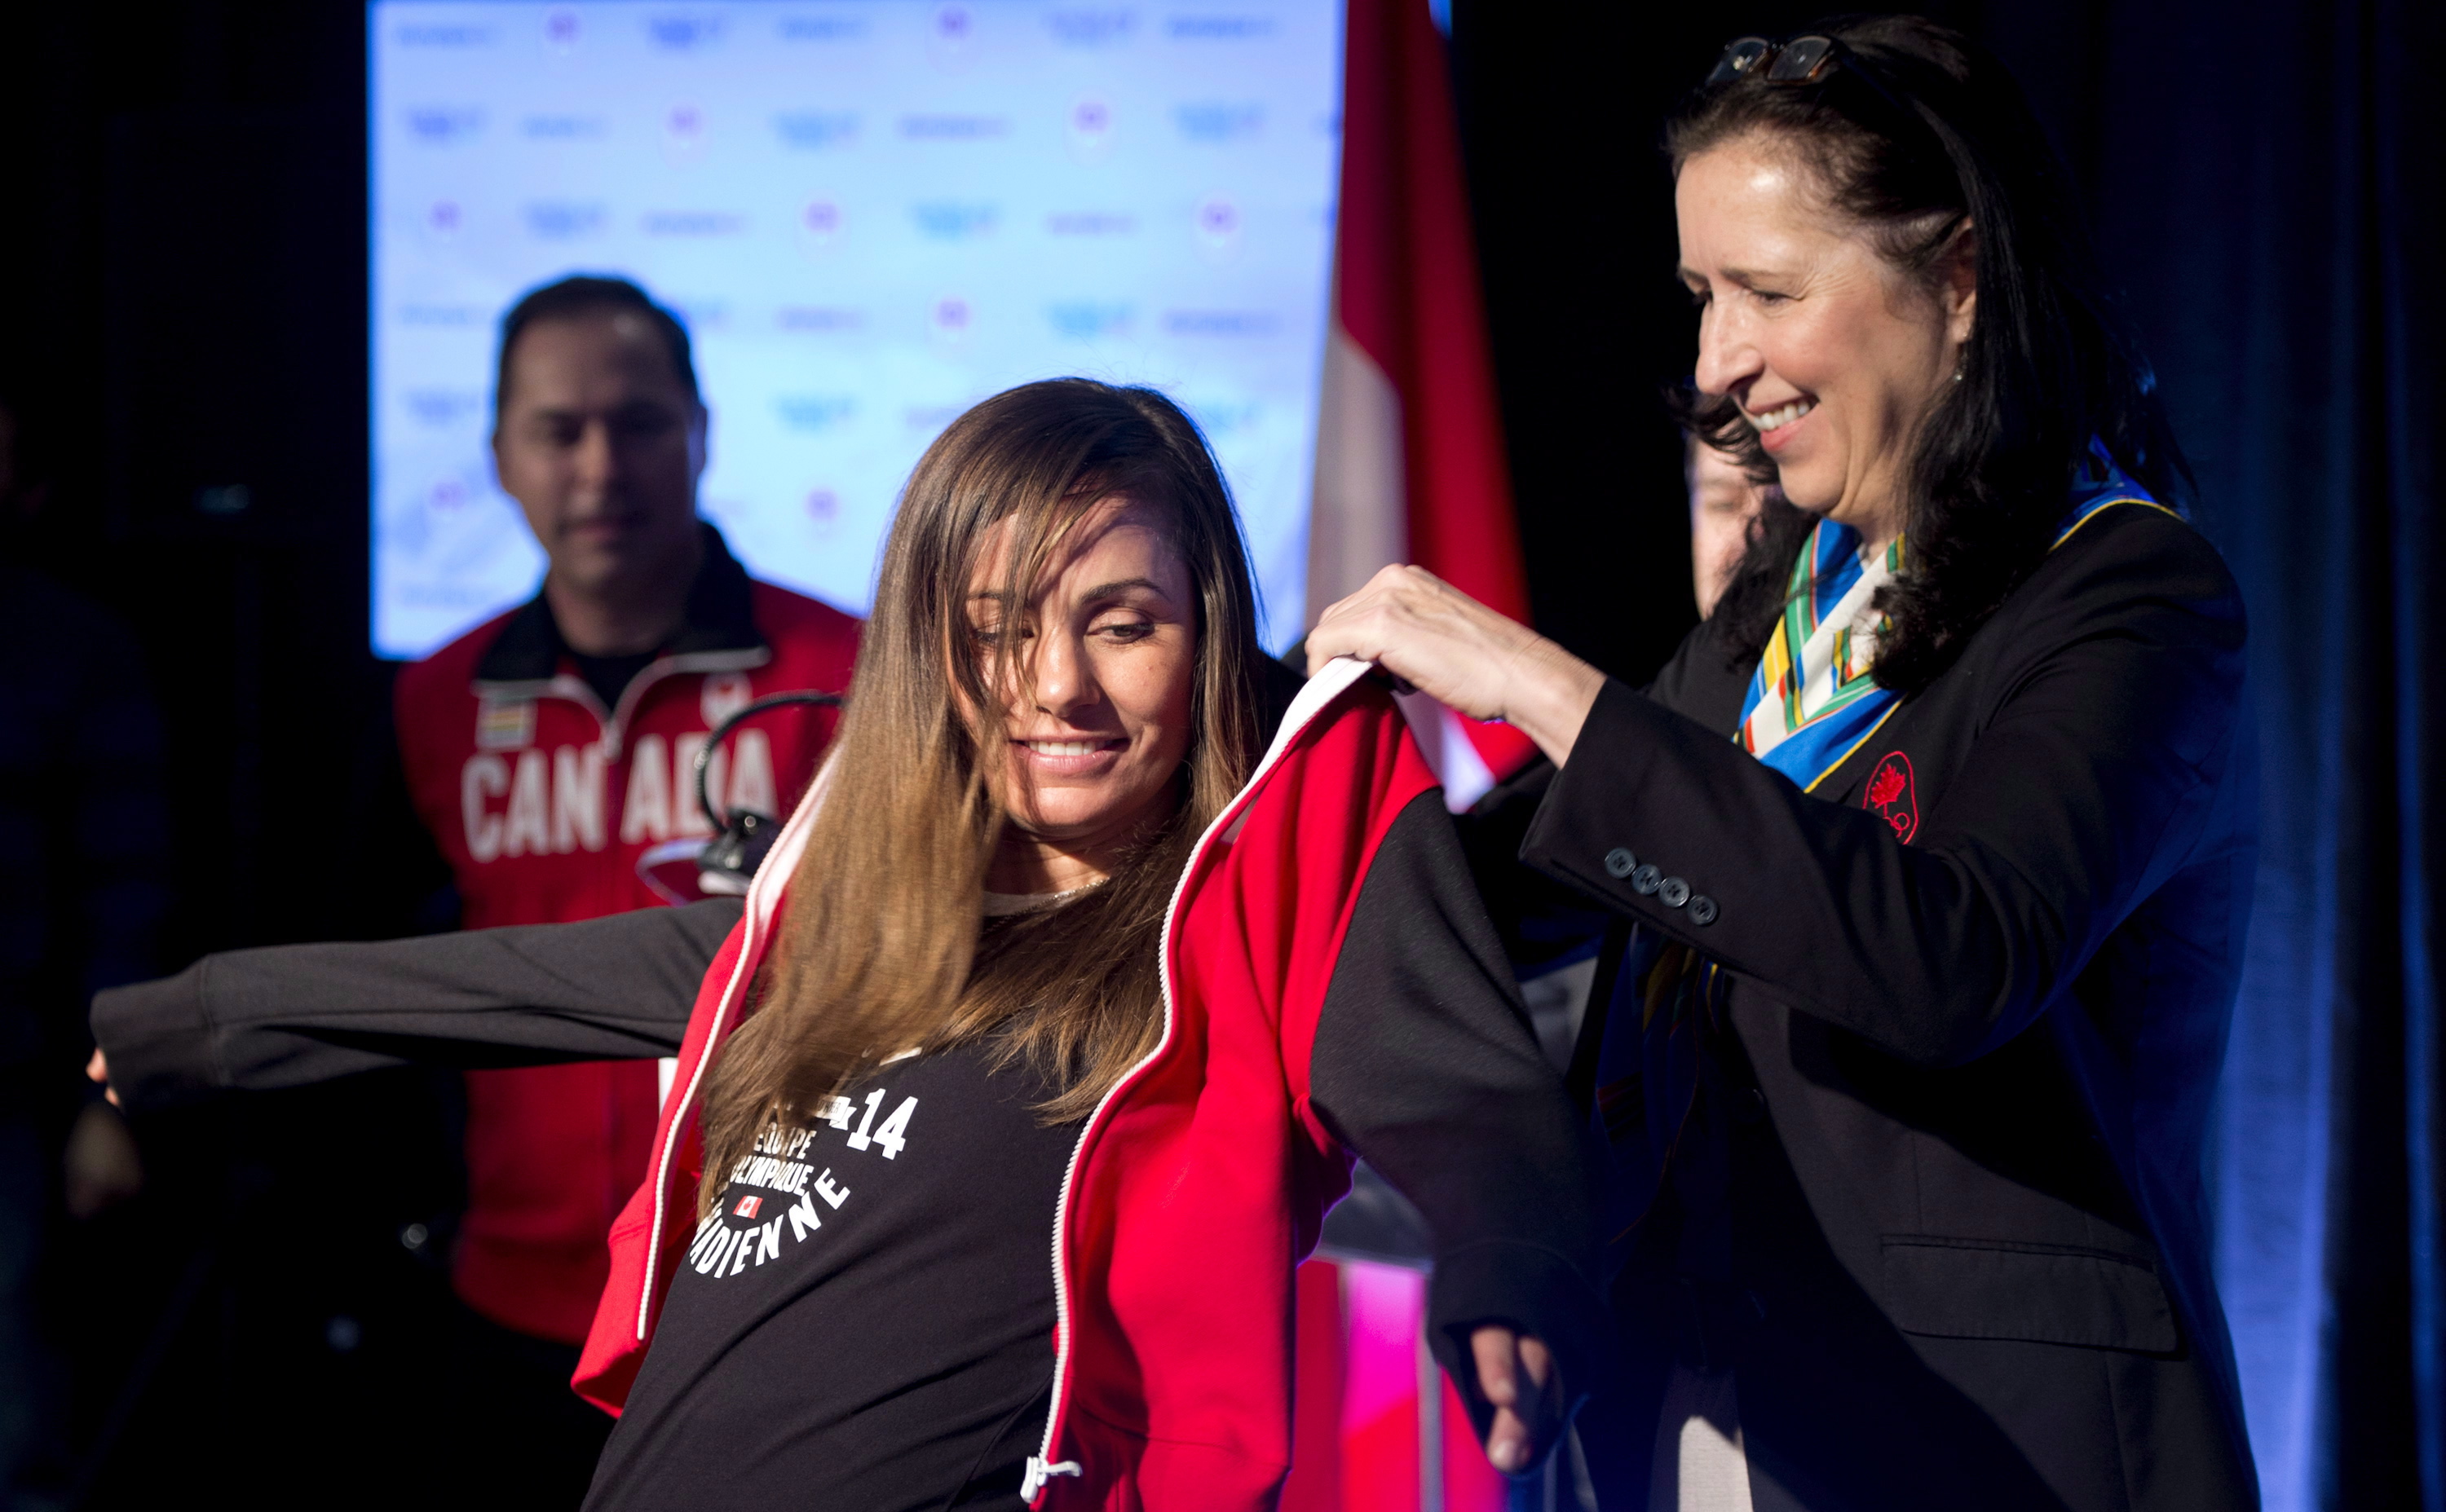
879 946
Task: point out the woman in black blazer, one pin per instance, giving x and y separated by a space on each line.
1931 851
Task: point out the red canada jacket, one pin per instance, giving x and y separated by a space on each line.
543 801
1202 1177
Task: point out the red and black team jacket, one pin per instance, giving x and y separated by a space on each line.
1333 987
543 801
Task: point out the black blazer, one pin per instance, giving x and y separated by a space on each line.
1977 1012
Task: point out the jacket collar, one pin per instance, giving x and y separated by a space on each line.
719 619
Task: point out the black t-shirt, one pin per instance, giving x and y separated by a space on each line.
866 1319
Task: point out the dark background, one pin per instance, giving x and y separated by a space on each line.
182 277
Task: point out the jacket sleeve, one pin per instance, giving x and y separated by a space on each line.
618 988
2092 775
1425 1064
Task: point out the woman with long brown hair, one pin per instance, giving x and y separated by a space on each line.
1057 949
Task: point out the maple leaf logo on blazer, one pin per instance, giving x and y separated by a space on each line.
1893 794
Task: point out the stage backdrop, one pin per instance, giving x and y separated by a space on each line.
871 214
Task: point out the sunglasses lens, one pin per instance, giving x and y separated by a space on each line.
1800 60
1738 59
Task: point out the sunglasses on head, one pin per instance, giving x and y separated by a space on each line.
1800 61
1796 60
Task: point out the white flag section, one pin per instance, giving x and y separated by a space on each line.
1361 515
1409 447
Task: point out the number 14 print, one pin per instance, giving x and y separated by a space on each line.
889 1139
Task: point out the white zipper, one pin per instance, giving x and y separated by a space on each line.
1039 1473
614 720
1319 692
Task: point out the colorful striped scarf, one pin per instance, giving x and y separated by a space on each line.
1813 700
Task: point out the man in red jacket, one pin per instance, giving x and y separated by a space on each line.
546 751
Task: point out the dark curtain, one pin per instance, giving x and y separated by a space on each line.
2264 178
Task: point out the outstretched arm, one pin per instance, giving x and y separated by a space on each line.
618 988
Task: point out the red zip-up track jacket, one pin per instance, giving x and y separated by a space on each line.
1202 1177
1332 988
542 801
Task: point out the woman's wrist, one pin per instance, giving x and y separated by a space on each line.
1549 697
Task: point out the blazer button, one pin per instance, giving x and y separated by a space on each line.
1620 863
1646 879
1673 892
1703 910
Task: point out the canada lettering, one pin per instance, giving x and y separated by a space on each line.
536 803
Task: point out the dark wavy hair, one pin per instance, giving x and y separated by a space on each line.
1920 133
584 294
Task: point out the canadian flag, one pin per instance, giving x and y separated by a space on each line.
1409 468
1409 446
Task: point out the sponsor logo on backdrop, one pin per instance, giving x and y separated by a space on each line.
443 407
700 314
820 225
560 31
443 125
811 130
1219 121
1218 223
685 133
1090 28
945 126
950 321
819 318
442 220
1085 320
1230 323
692 223
449 494
436 34
953 221
1218 27
562 128
1087 130
823 509
822 28
683 33
563 219
1090 223
814 412
443 315
950 37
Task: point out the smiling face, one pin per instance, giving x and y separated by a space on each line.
1830 349
601 444
1099 673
